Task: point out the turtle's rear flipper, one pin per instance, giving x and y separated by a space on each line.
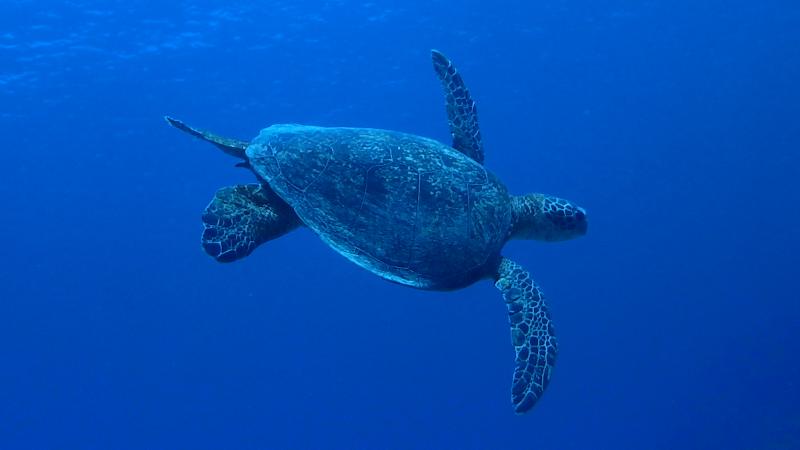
233 147
242 217
531 333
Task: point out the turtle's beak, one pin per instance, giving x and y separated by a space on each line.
581 221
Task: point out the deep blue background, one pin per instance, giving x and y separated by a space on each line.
675 123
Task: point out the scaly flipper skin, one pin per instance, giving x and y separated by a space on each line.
233 147
462 113
241 217
531 333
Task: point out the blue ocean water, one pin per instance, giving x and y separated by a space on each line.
674 123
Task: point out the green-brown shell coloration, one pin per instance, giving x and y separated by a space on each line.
408 208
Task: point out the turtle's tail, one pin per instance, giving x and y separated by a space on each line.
232 147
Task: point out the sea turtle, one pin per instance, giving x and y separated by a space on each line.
407 208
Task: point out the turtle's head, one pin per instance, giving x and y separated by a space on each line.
546 218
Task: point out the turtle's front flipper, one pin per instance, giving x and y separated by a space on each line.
531 333
462 113
241 217
233 147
